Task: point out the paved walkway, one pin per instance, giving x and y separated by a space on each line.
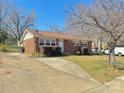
19 74
66 66
115 86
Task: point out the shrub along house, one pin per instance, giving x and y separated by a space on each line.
54 43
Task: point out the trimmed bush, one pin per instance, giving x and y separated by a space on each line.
58 51
3 48
52 51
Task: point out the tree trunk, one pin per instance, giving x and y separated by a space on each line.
19 46
109 60
100 51
112 59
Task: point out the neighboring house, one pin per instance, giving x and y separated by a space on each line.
34 41
98 47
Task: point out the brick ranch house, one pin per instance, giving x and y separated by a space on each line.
34 41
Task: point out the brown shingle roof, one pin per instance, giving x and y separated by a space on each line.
59 35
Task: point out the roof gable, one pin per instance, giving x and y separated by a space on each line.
26 35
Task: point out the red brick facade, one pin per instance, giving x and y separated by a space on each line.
69 48
29 45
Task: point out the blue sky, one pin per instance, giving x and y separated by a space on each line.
48 12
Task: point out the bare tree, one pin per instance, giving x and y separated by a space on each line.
3 13
103 15
55 28
17 22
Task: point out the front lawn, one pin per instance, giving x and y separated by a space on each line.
98 66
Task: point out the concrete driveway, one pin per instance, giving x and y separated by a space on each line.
66 66
19 74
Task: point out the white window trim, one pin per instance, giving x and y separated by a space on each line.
49 40
44 42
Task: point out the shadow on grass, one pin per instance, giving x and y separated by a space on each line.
120 68
65 56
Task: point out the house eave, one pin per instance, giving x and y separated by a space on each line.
23 35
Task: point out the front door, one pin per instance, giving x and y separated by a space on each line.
61 44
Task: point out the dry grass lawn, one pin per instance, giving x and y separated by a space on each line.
98 67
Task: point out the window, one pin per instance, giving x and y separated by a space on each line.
41 42
75 43
47 42
85 44
53 42
82 44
